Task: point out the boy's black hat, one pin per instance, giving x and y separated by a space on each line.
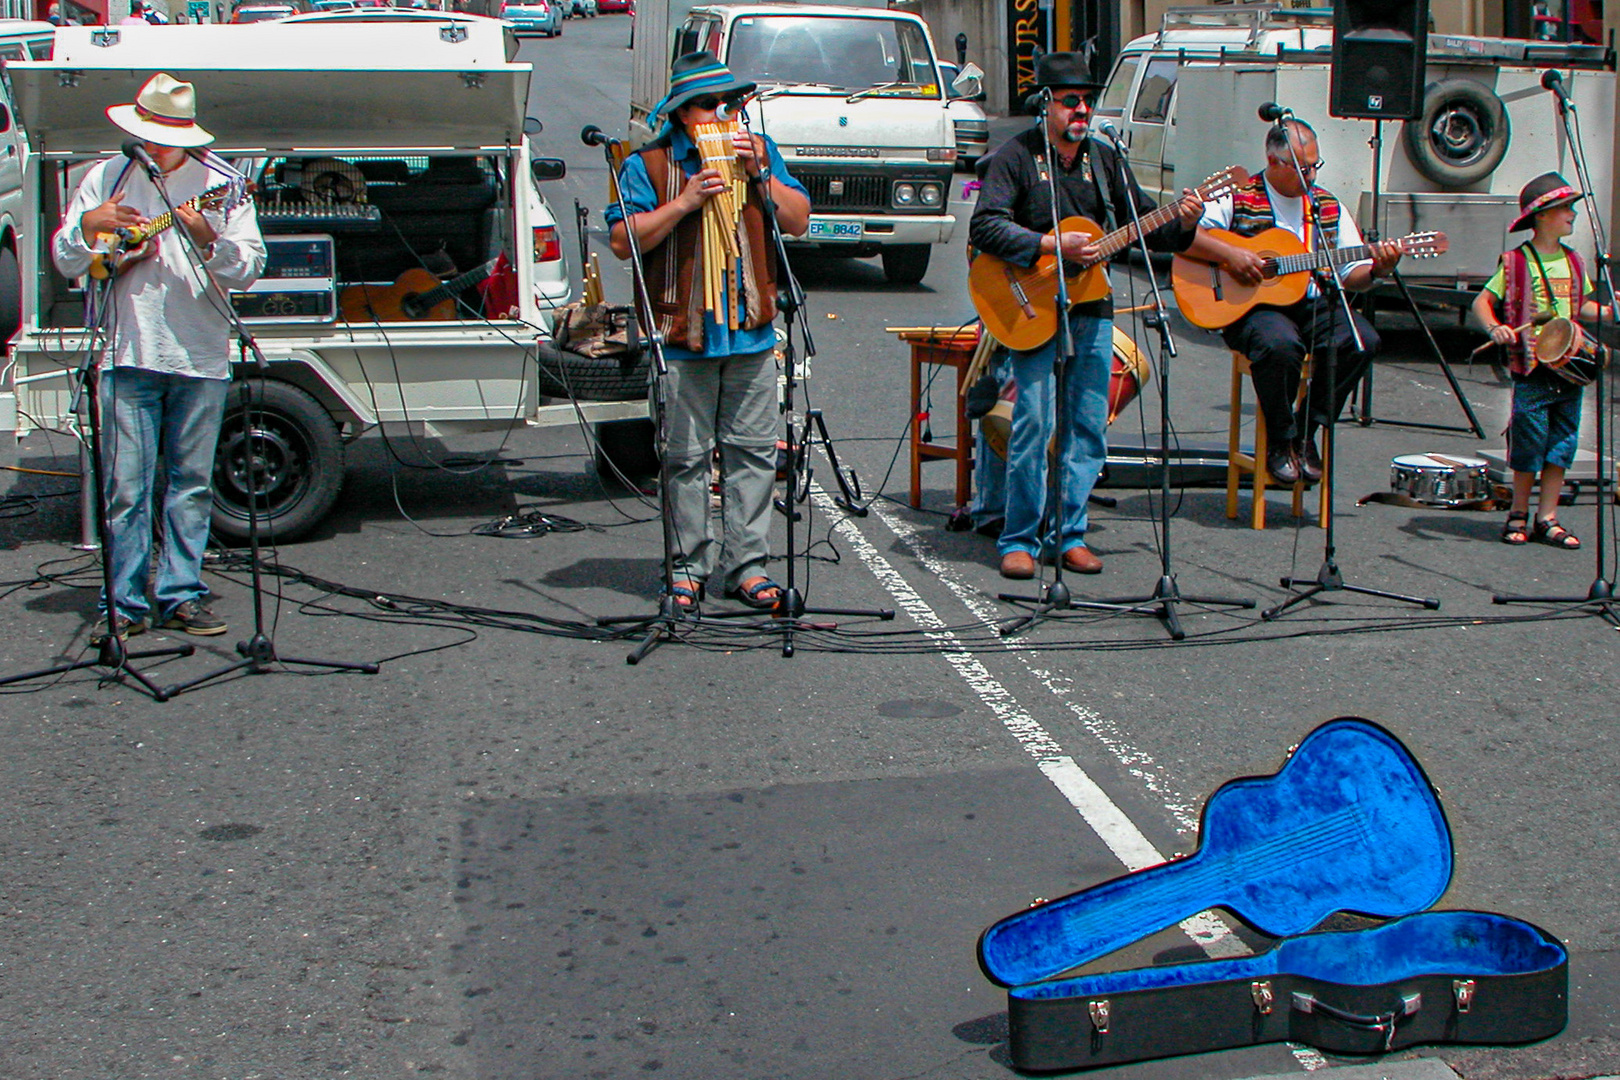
1543 193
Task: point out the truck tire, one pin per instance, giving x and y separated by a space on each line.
296 461
1463 134
10 295
905 264
626 446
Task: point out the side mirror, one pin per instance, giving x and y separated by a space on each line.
548 168
531 126
961 50
969 83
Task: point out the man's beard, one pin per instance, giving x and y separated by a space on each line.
1075 131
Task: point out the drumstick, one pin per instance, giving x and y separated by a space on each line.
1541 317
981 360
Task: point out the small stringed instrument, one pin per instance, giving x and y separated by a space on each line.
417 295
1212 298
111 252
1019 304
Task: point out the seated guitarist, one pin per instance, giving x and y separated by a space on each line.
1013 220
1276 339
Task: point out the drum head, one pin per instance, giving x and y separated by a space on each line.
1555 340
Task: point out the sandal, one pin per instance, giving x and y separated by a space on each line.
1517 529
1548 531
748 593
687 594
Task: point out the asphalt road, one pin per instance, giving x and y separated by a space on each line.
511 855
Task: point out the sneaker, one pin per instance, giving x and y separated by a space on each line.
193 618
124 628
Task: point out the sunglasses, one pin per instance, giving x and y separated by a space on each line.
1072 101
709 102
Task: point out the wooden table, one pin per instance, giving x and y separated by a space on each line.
954 348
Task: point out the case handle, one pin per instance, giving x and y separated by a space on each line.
1380 1022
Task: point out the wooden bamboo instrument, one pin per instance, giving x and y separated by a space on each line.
721 215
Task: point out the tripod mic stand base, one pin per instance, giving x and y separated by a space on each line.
1161 603
1328 579
1600 597
112 655
258 655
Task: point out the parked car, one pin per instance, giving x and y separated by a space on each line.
252 13
584 9
614 7
534 16
333 5
968 119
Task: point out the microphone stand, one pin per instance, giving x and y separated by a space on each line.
1328 578
790 606
672 615
1600 598
1162 601
111 653
1055 596
259 651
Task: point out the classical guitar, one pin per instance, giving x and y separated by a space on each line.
1019 304
417 295
1349 823
1212 298
111 252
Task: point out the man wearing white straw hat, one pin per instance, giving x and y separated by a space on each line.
167 358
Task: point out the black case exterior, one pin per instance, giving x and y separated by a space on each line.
1064 1033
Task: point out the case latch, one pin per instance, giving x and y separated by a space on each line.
1463 990
1099 1015
1260 990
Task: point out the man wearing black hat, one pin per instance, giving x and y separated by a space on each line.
722 370
1013 220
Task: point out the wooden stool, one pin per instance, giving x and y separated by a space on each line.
952 348
1238 463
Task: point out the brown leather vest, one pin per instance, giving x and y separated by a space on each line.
675 273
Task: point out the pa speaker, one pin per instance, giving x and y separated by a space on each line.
1379 48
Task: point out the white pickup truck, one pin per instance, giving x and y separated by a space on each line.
854 96
377 153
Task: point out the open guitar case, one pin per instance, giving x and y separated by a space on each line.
1350 823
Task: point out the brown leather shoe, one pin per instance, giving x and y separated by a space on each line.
1082 560
1018 565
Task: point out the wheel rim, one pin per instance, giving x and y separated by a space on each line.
273 458
1459 136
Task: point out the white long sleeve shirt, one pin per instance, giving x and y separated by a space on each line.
164 317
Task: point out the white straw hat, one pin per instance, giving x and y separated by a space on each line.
164 112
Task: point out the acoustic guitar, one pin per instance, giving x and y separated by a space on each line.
417 295
1212 298
111 252
1019 304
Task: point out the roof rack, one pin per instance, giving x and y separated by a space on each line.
1252 17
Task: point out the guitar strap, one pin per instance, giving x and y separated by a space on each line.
1067 206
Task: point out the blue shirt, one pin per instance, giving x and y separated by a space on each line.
636 188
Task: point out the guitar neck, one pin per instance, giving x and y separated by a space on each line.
165 220
1113 243
455 285
1332 258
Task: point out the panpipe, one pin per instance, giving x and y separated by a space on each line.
721 214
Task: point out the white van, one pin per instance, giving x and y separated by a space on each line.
387 152
854 97
1186 99
20 39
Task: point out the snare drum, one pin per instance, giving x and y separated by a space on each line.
1569 352
1128 370
1440 479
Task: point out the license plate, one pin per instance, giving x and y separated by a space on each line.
836 230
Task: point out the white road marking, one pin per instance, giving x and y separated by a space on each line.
1111 824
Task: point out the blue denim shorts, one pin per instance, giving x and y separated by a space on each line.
1546 418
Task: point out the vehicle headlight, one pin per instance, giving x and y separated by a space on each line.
929 194
905 194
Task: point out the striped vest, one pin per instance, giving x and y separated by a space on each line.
1519 298
674 270
1252 213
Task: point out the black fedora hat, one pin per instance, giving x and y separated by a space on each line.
1064 71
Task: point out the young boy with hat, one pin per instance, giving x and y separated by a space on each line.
167 363
1539 279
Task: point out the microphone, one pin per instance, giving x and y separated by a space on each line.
1105 127
730 110
591 135
1271 112
1553 80
133 150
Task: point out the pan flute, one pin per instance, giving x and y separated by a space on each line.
719 249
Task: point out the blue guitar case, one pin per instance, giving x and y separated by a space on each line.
1350 823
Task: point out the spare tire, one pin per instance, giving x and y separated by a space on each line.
1462 135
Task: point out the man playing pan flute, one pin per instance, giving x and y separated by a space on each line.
714 309
1276 339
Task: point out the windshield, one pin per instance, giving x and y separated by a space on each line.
842 54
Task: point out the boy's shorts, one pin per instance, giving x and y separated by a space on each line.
1546 418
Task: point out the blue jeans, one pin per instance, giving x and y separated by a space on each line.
1085 416
179 416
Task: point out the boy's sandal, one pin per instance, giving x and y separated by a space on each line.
748 593
687 594
1517 529
1548 531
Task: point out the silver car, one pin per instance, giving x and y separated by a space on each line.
534 16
